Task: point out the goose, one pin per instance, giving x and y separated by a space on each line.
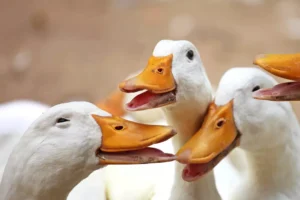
71 140
175 80
15 118
268 132
285 66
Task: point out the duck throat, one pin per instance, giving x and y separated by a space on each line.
32 175
277 167
202 189
187 118
35 186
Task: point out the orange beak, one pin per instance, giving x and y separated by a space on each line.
113 103
283 65
215 139
156 77
126 142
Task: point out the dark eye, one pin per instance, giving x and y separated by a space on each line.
61 120
190 54
255 88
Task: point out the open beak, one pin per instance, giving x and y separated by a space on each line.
113 103
215 139
126 142
282 92
285 66
157 79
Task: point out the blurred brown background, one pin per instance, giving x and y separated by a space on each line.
62 50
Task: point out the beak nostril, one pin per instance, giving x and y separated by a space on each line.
220 123
118 128
160 70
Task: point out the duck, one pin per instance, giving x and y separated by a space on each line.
71 140
175 80
284 66
95 186
266 131
15 117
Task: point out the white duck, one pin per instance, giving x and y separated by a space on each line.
70 141
158 185
15 117
175 78
268 133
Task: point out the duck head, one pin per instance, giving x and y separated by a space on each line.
174 74
235 119
80 130
68 142
285 66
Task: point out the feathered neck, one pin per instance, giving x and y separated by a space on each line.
278 166
276 169
30 175
186 118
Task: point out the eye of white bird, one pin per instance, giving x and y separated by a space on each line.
256 88
190 54
62 120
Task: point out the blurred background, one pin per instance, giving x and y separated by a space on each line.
63 50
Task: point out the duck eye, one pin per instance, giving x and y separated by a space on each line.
61 120
190 54
255 88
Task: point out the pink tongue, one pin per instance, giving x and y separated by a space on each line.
147 151
141 99
192 172
282 92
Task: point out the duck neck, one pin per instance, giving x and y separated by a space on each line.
31 176
187 119
277 167
37 189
